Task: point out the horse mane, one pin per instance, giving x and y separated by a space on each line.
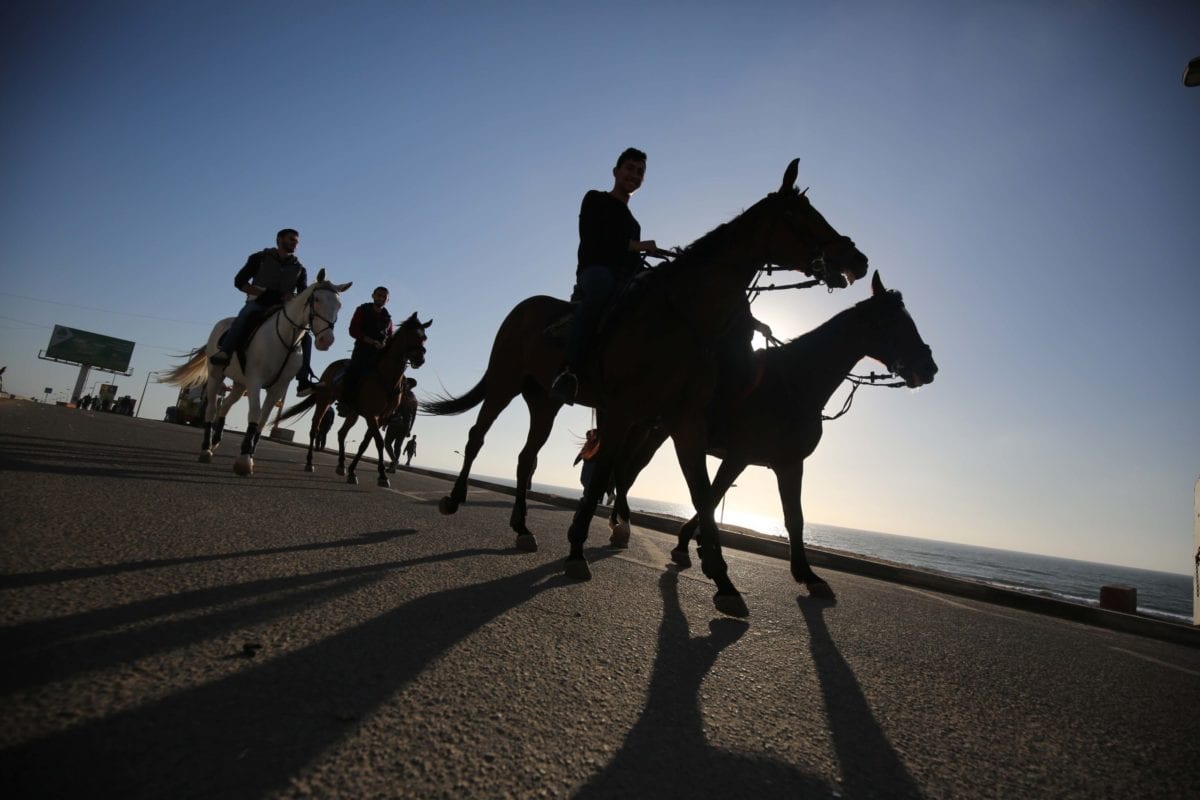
816 339
712 242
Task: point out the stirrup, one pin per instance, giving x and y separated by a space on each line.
565 387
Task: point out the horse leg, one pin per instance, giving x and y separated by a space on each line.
362 447
313 433
542 411
382 482
626 473
727 473
492 406
244 463
613 432
223 411
351 418
790 478
690 441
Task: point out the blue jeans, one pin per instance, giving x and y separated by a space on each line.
233 337
594 287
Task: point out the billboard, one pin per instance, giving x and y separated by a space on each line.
93 349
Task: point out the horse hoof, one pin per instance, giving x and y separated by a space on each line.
731 605
206 457
352 479
577 568
340 470
392 469
620 534
244 466
527 542
309 468
383 482
820 589
681 558
447 506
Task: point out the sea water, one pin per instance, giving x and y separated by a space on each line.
1164 595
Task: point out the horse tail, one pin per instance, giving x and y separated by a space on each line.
446 406
192 373
299 408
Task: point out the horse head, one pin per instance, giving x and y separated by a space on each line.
893 338
800 238
409 340
323 307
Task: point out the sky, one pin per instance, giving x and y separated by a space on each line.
1025 173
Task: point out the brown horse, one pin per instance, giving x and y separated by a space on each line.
656 364
778 422
400 425
377 396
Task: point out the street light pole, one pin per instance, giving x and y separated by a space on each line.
144 385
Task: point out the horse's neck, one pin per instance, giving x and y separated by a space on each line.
716 282
819 361
295 317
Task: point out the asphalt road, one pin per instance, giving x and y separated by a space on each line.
171 630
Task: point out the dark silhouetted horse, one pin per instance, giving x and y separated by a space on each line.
656 363
776 421
377 396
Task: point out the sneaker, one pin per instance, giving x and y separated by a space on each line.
565 387
219 359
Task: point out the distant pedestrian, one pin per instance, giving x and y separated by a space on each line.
324 428
410 450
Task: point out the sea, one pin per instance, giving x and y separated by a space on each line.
1163 595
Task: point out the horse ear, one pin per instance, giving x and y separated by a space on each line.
321 275
877 284
343 287
427 324
790 175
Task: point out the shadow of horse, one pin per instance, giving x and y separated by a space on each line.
870 765
250 733
666 753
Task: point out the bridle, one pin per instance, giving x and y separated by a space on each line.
311 305
817 266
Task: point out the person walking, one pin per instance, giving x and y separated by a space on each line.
410 450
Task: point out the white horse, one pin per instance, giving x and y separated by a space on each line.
272 359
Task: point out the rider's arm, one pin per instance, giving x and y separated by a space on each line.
246 274
302 280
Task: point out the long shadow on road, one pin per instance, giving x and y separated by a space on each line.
870 765
22 579
248 734
666 753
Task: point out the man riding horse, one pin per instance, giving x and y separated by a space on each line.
370 327
270 277
610 249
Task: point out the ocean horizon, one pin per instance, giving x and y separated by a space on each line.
1163 595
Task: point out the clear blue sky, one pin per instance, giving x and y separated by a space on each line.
1025 172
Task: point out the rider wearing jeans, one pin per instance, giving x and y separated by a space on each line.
270 277
609 255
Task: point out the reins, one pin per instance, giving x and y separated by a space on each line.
872 379
299 328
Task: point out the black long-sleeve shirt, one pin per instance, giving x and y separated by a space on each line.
606 227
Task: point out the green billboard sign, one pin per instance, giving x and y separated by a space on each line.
93 349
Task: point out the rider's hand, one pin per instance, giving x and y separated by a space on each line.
378 344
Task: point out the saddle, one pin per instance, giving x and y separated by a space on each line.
253 323
622 300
